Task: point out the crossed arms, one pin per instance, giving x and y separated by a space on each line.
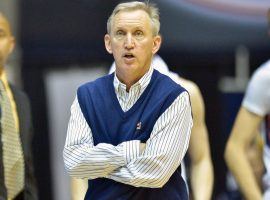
126 163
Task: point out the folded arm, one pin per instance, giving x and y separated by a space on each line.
84 160
124 163
164 149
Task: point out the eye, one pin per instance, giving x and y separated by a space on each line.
120 33
138 33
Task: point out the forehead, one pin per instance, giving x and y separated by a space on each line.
4 26
130 18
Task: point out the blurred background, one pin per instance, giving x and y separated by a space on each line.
215 43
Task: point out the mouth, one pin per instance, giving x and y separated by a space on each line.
128 55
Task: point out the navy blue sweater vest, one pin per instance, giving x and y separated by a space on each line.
110 124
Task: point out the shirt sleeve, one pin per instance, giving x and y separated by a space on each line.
84 160
164 150
257 97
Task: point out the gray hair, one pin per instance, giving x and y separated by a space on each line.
149 8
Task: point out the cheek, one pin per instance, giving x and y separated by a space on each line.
147 44
116 42
4 47
116 47
1 57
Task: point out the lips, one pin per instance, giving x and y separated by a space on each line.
129 58
128 55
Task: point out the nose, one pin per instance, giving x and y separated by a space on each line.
129 42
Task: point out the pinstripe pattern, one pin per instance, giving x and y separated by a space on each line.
124 163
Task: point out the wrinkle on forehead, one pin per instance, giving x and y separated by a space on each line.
135 17
127 24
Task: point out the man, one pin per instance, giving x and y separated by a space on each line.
129 131
16 167
199 151
253 114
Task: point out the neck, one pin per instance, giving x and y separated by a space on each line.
129 78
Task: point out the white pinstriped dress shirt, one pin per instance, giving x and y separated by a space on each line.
125 163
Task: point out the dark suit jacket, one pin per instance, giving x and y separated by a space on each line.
26 131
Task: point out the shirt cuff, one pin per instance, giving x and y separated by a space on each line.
131 150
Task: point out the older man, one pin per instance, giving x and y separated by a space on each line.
201 167
129 131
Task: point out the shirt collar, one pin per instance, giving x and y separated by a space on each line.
143 82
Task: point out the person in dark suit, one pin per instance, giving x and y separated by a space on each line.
17 180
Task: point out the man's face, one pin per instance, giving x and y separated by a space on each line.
6 40
132 43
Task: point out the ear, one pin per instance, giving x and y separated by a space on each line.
107 41
157 43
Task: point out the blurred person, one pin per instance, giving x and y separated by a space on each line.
17 179
254 153
129 131
253 114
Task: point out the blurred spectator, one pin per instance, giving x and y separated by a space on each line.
253 114
17 179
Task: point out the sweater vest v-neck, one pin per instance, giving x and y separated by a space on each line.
110 124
